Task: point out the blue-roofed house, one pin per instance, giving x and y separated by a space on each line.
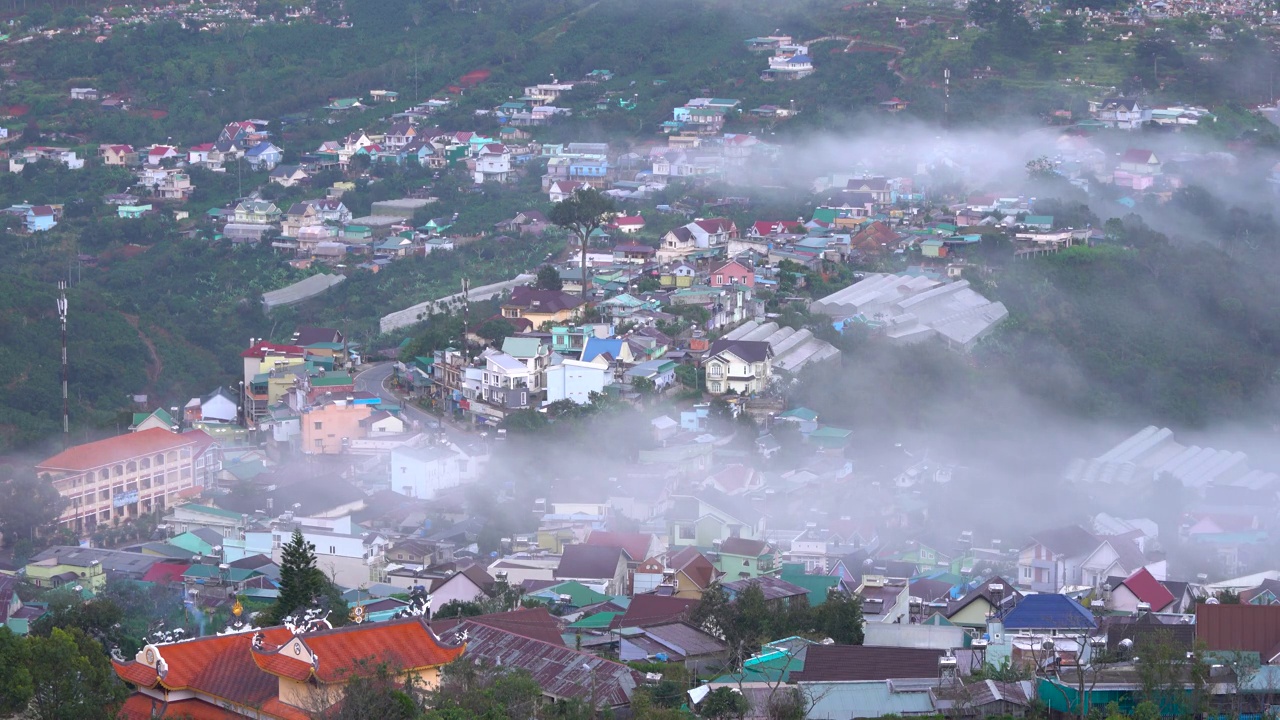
617 348
1049 613
264 156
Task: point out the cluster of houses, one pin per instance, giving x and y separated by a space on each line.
613 568
790 60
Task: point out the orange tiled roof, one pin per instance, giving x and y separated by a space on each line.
115 449
408 644
219 665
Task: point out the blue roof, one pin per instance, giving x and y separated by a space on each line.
1048 612
598 346
260 148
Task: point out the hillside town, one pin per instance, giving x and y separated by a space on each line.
607 470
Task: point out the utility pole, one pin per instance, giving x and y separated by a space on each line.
946 96
62 317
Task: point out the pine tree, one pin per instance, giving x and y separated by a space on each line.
301 582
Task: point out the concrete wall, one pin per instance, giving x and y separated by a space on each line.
416 313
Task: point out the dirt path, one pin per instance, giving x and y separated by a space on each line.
156 365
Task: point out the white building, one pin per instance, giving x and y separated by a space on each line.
493 164
422 472
575 380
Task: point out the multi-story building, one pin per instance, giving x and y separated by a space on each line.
329 428
123 477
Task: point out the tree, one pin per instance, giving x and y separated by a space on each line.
723 703
301 583
72 677
28 505
583 214
840 618
496 329
741 622
549 278
458 609
15 682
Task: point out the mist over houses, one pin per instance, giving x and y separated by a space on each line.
377 456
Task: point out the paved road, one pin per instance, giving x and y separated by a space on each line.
374 379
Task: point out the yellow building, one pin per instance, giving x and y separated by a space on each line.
125 476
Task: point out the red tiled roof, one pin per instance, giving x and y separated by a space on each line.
768 227
163 572
695 566
534 623
648 609
635 545
733 478
262 349
116 449
220 665
715 225
628 220
142 707
1137 156
1147 589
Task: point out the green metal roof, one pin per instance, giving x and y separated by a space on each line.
521 347
213 571
192 507
800 413
579 595
332 381
599 621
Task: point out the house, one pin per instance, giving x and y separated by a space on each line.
85 94
884 599
736 479
562 190
157 154
853 663
218 406
493 164
1049 614
329 428
596 566
577 380
562 672
13 614
423 472
743 367
628 224
694 573
993 596
711 517
122 477
117 155
677 642
732 273
778 593
159 418
39 218
289 175
540 306
1054 558
400 135
132 212
708 235
264 156
742 558
1141 591
1240 628
467 585
277 672
1120 112
257 212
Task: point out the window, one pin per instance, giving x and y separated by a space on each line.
687 532
333 550
719 279
1026 573
318 425
319 443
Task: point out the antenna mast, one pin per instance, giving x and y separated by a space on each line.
62 318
